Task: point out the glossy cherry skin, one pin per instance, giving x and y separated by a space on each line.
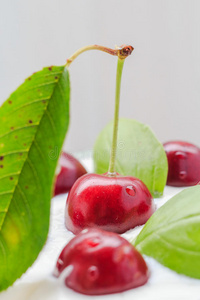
70 170
183 162
101 263
111 203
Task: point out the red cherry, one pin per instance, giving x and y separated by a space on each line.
113 203
70 170
184 163
101 262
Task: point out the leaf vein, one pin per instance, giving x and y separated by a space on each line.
175 246
34 171
7 192
8 175
14 152
51 121
40 151
28 104
61 91
17 129
26 202
38 86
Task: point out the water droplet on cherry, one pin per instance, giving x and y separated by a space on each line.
94 242
92 273
180 155
182 174
130 190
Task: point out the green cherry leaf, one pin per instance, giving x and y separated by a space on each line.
139 154
172 234
34 121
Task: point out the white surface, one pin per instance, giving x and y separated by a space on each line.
39 284
160 84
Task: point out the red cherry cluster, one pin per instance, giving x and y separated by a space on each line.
102 262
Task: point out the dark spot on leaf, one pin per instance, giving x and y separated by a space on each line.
56 77
20 154
16 137
1 166
38 90
11 178
34 73
1 157
29 78
50 147
30 121
24 144
44 101
9 101
26 187
50 68
11 128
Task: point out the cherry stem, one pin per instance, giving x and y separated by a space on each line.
111 170
122 52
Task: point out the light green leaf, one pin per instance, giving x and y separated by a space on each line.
172 234
139 154
33 124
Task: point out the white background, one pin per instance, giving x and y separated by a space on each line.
161 80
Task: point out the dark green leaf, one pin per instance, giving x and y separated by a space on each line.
172 234
34 121
139 154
